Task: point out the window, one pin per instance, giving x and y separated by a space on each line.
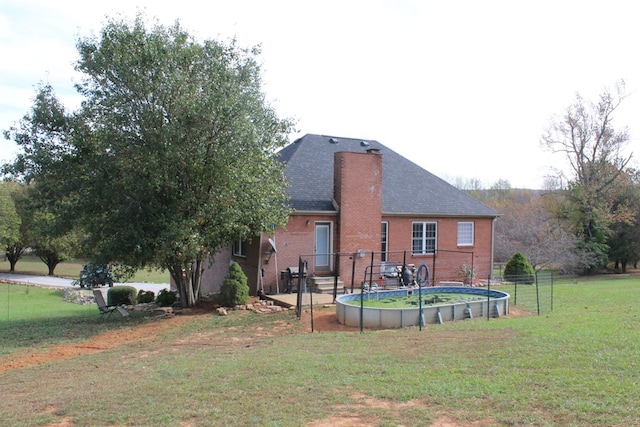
424 238
383 239
240 248
465 234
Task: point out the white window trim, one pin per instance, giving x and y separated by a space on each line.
239 248
462 234
424 239
384 244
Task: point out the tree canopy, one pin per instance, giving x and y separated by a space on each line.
170 155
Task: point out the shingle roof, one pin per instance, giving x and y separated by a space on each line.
406 187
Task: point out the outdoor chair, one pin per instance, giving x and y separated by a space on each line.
107 309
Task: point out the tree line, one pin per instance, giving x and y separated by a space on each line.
586 219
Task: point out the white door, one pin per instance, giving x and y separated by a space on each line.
323 246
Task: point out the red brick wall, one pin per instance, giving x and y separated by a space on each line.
450 256
296 239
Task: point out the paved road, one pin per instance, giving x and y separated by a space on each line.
62 282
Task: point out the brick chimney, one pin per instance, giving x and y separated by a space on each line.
358 195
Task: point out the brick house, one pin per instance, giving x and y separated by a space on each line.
366 202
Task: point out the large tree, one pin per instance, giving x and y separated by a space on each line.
624 234
42 134
585 135
9 224
170 156
50 244
20 241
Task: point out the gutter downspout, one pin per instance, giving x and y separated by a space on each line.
493 241
259 282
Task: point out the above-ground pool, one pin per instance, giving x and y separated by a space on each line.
491 303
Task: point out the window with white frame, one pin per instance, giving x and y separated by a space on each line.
384 241
240 248
465 234
423 238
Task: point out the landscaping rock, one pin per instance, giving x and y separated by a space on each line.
164 311
77 297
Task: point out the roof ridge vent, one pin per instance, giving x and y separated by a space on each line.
334 140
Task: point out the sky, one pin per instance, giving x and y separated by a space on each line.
465 89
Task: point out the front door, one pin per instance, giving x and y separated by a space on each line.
322 248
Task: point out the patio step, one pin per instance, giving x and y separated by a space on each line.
324 284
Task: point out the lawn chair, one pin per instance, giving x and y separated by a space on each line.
107 309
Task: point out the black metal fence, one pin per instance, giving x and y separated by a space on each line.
532 292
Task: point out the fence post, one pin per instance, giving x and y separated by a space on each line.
488 298
551 291
353 271
362 306
433 273
336 271
537 293
301 270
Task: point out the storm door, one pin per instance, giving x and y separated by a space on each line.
323 247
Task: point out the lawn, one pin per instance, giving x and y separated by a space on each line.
576 366
29 264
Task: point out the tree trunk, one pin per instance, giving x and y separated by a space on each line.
52 268
188 278
13 254
52 261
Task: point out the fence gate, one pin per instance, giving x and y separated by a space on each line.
531 292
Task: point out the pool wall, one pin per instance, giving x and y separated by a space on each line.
393 318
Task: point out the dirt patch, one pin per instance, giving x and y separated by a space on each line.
357 421
324 320
346 415
100 342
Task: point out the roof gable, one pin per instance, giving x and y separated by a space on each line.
406 187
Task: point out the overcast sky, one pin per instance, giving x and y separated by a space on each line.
465 89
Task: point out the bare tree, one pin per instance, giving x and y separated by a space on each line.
585 135
594 151
527 225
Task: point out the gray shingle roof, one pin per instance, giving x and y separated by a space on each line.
406 187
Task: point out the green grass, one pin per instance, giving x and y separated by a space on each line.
33 265
34 317
576 366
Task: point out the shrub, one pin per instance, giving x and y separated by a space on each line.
145 296
119 295
234 290
166 298
519 270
